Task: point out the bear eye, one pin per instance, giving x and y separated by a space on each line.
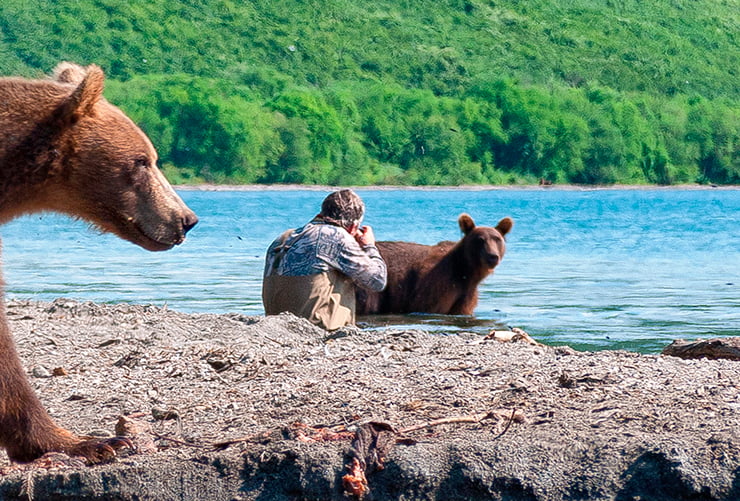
141 162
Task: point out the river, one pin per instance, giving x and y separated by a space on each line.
592 268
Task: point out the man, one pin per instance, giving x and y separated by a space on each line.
312 271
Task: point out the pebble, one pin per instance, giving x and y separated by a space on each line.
40 372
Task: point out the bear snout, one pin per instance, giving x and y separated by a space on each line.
188 222
491 260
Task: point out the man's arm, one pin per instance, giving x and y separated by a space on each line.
360 260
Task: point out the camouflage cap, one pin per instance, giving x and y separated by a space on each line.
343 208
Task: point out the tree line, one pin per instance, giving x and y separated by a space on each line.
264 128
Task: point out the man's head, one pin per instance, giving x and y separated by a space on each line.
343 208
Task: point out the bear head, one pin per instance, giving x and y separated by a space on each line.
483 246
108 173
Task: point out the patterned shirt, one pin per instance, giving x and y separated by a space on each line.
318 247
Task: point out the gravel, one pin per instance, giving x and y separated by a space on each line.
266 408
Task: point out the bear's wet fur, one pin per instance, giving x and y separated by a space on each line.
441 278
64 148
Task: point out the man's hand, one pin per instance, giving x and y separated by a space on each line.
364 236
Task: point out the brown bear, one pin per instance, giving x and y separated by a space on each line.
441 278
64 148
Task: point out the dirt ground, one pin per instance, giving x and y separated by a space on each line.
290 407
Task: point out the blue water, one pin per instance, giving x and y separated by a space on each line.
594 269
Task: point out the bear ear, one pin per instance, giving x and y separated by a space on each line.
88 92
466 223
70 73
504 226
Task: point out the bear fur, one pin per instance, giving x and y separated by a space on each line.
441 278
64 148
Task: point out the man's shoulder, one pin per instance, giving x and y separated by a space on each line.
332 231
333 241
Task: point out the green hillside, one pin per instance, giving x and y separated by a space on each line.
418 92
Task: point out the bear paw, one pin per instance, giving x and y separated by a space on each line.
99 450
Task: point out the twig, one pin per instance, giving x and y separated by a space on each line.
277 342
178 442
437 422
449 420
506 428
460 419
27 486
223 445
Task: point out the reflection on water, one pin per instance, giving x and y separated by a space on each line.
431 323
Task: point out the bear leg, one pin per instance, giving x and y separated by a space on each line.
27 431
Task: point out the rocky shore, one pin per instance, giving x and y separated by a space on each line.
228 407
